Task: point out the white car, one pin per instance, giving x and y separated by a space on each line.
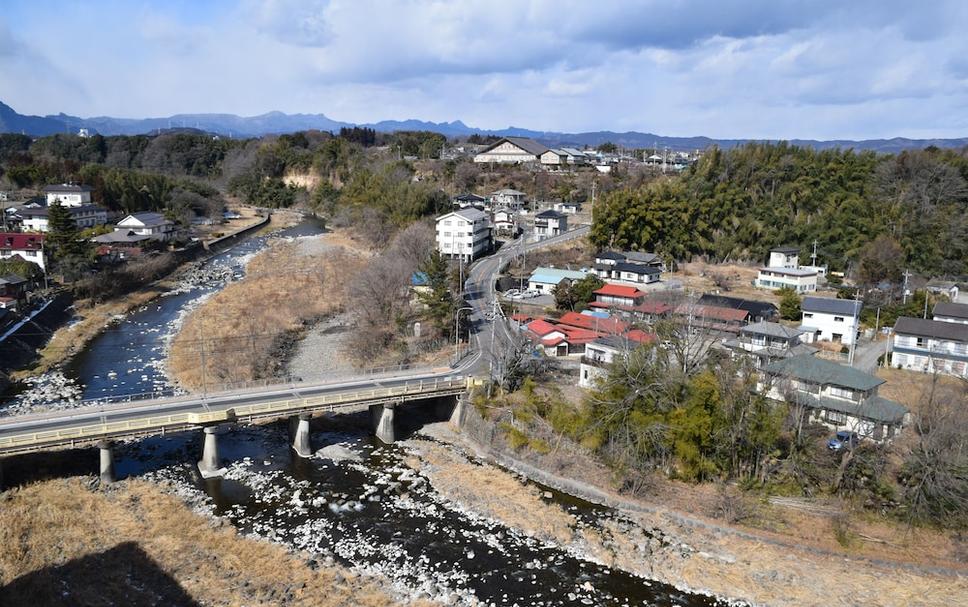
512 293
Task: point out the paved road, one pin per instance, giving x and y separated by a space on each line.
866 353
492 335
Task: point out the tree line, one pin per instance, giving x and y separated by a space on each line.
734 205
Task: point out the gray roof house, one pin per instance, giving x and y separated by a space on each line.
829 305
841 397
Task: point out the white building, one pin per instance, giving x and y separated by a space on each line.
149 224
554 158
568 208
549 223
576 156
766 341
68 194
508 198
544 279
951 312
598 355
611 266
464 234
840 397
37 218
512 150
504 221
462 201
828 319
783 270
931 346
29 247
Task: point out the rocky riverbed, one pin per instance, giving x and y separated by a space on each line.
381 511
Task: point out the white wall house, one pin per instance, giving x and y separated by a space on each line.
568 208
36 218
766 341
620 267
598 355
930 346
554 158
68 194
512 150
544 279
783 270
828 319
148 224
549 223
951 312
508 198
504 221
29 247
464 234
840 397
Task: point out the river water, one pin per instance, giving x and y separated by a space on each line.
367 509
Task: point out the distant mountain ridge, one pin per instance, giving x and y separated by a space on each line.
276 123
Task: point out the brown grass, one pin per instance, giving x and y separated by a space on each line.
239 331
59 533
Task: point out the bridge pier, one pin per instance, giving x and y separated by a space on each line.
107 461
300 439
457 415
210 465
381 419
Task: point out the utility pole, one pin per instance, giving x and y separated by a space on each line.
926 294
853 337
907 274
813 256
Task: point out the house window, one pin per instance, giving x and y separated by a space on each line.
837 336
838 319
842 393
921 342
835 417
808 314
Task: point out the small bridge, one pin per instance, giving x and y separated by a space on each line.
99 425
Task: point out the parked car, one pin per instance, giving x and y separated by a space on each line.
511 293
843 439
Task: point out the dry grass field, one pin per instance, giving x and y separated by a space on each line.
234 337
132 544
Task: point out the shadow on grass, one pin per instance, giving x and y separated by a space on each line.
123 575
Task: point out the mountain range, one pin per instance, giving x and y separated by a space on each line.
274 123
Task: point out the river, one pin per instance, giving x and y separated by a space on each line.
366 509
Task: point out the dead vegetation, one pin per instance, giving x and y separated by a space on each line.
235 337
65 543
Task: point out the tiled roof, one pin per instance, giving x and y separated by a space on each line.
773 329
542 327
824 372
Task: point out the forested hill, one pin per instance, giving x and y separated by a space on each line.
280 123
737 204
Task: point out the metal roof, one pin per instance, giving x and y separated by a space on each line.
787 250
875 408
762 309
829 305
824 372
550 214
68 187
554 275
773 329
636 268
954 310
528 145
939 329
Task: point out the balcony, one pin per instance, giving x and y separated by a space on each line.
595 362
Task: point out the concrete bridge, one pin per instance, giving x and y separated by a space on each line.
99 425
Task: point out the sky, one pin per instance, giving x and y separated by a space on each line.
822 69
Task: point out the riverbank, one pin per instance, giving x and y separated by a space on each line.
91 318
72 542
243 333
695 551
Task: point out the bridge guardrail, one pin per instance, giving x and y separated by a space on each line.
150 424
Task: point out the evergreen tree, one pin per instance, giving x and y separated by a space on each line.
439 300
68 251
789 304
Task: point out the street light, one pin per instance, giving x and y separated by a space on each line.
457 331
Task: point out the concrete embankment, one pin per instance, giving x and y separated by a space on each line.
19 343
